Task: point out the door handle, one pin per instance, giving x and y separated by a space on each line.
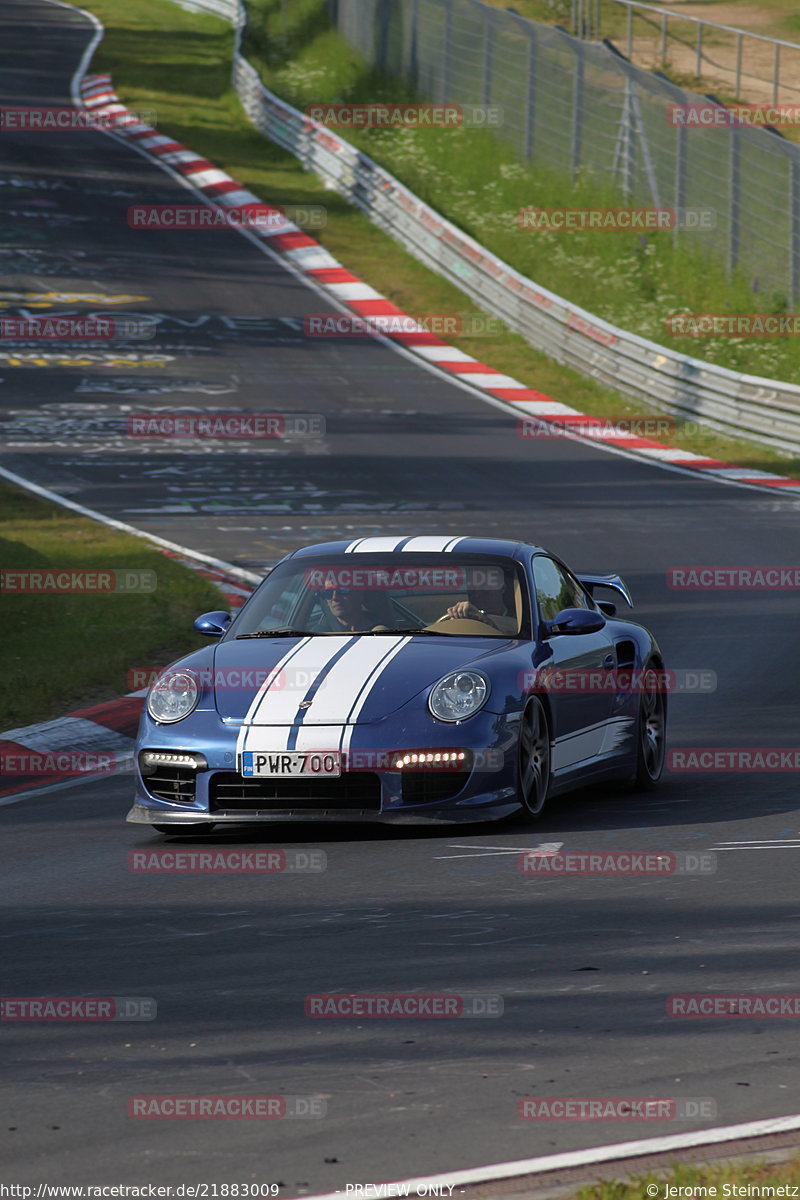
609 660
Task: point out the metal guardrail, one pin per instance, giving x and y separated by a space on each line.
765 410
587 23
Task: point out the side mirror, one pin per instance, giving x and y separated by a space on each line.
576 620
607 607
213 624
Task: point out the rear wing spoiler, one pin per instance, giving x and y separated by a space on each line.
590 582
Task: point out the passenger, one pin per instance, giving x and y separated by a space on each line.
489 605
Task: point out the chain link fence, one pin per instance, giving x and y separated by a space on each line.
582 108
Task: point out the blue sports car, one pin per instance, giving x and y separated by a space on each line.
418 678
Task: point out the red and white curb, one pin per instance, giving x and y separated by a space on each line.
309 258
90 741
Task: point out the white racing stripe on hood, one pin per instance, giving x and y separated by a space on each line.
341 687
353 678
276 678
361 700
294 678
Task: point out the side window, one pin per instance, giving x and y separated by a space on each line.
555 588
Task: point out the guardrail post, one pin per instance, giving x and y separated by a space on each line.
488 45
629 35
413 61
448 33
530 101
383 34
738 65
734 183
664 20
794 232
699 59
776 71
680 176
577 109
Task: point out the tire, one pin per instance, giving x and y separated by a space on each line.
651 735
533 762
186 830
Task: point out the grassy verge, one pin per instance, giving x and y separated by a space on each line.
635 280
178 63
739 1174
66 651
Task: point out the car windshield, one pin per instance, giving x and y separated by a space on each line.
447 594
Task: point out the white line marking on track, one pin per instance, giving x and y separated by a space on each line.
599 1154
546 849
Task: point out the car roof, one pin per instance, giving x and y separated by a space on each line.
419 543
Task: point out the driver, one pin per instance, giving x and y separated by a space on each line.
349 610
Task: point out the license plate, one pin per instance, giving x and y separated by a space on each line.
287 764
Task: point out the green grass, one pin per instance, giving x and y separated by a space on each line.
633 280
177 62
739 1173
68 651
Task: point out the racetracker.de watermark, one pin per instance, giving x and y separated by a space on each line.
226 425
419 1005
739 1005
67 120
76 329
163 860
205 216
226 1107
601 219
442 324
616 1108
733 325
617 680
700 115
727 579
617 862
418 579
592 427
726 759
405 116
62 762
78 1008
67 582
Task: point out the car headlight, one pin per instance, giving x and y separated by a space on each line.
173 696
458 695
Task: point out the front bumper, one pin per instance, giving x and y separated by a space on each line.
479 794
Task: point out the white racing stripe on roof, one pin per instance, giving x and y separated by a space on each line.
374 545
432 545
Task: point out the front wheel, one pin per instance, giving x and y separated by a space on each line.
651 734
533 772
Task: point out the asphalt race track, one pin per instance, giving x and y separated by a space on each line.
583 965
